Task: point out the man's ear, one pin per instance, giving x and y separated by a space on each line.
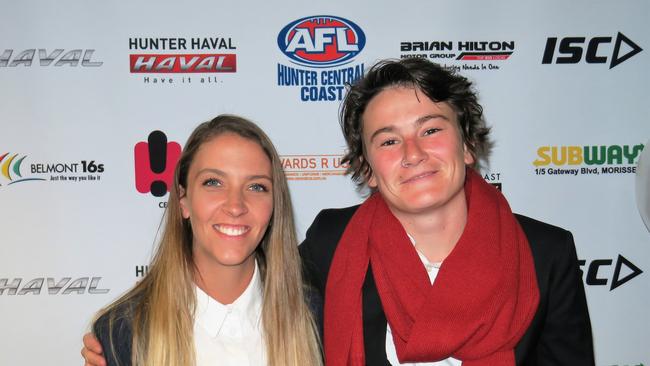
372 181
185 207
467 155
369 175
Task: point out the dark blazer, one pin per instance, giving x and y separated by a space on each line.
560 333
120 353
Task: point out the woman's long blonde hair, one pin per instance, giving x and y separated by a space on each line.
161 306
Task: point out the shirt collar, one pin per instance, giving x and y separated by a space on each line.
423 258
211 314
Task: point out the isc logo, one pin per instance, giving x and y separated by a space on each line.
321 41
624 270
571 50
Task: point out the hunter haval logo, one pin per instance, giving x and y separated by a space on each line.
182 63
173 55
321 41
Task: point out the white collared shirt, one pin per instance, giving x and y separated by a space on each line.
230 335
391 352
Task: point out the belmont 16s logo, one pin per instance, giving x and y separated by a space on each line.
323 47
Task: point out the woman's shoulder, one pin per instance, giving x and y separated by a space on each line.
117 318
114 330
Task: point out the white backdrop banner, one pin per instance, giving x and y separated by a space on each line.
87 89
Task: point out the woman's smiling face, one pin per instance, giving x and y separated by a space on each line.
228 200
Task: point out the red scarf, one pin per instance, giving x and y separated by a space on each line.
483 299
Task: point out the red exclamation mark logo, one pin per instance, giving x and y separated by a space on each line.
155 161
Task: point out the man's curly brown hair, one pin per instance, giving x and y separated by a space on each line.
436 82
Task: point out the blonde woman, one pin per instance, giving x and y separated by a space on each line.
225 285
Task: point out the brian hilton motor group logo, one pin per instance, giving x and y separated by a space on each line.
465 55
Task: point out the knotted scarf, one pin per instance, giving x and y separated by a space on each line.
481 303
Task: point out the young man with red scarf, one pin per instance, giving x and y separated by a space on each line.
434 268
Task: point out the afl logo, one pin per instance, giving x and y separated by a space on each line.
321 41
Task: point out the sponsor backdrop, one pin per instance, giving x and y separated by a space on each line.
97 99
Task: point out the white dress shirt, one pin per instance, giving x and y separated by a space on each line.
391 352
230 335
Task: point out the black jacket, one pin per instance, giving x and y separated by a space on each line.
560 333
120 353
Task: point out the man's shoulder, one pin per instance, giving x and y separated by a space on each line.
329 225
334 216
535 227
324 234
561 325
539 230
547 242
